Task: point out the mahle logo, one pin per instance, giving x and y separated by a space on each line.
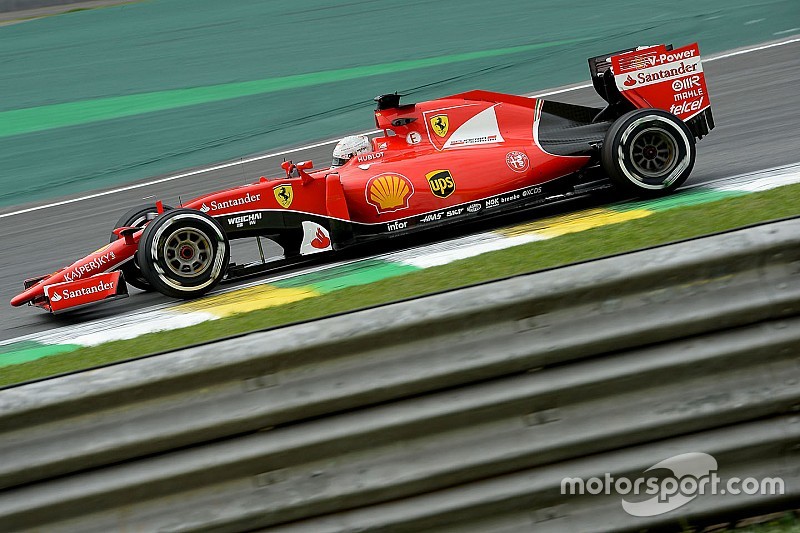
441 182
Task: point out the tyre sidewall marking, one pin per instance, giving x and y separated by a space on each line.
218 259
684 150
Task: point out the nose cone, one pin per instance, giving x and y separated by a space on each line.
29 294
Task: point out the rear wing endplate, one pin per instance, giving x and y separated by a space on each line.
659 77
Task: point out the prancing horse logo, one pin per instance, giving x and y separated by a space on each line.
284 195
440 124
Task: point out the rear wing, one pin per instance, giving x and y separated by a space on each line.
659 77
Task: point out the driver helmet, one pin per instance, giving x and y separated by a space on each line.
348 147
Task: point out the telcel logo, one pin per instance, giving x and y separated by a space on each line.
686 107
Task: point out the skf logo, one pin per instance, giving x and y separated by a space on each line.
440 124
284 195
441 182
389 192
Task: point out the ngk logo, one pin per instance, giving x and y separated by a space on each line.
686 83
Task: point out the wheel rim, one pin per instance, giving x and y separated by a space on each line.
654 153
188 252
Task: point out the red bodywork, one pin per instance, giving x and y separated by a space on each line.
401 179
462 155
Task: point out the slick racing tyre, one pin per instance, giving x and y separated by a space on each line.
136 217
183 253
648 152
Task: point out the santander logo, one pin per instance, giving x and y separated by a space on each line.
630 82
321 241
316 239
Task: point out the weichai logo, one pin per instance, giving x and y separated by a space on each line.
441 183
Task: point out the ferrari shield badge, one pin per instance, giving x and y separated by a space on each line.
440 124
284 195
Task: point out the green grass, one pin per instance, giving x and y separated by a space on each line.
661 227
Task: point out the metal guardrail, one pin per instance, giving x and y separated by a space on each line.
459 411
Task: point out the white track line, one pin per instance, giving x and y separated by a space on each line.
324 143
755 49
175 177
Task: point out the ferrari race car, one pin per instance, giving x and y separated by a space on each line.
445 161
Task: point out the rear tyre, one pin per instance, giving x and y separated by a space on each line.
136 217
183 253
648 153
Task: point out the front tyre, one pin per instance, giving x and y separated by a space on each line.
183 253
648 152
136 217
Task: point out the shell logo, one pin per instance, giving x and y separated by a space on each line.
389 192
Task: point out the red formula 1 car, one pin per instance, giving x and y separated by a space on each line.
446 161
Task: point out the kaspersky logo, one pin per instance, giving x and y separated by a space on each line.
91 266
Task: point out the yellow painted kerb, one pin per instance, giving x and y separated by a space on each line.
249 299
574 222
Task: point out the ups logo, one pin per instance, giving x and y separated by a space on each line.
441 182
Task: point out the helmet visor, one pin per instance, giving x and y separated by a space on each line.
339 161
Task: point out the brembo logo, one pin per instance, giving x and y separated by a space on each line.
91 266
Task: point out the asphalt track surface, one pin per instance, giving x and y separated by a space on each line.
755 98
